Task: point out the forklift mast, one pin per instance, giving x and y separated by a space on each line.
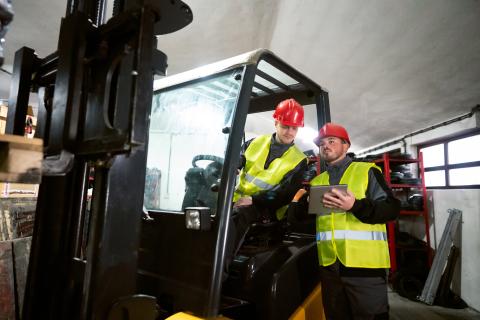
95 95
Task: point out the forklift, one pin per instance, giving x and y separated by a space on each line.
198 123
160 163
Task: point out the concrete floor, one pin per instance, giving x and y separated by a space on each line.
402 308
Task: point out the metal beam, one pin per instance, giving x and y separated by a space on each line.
23 67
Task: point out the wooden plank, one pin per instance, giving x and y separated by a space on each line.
7 289
18 190
3 125
21 253
6 225
20 159
21 142
3 111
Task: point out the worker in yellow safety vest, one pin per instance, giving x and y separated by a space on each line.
271 171
352 241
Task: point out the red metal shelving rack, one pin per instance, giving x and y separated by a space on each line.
386 160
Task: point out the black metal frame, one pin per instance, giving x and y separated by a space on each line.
227 189
24 65
96 94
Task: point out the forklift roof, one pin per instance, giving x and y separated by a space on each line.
274 78
209 69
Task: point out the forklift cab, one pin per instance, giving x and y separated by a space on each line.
198 123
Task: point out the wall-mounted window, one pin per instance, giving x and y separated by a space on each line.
452 163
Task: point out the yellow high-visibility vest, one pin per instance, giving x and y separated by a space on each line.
343 236
254 178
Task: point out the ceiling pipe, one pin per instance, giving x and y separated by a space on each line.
470 114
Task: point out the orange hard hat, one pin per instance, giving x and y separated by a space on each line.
332 130
289 113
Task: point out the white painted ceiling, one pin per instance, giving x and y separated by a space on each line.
391 67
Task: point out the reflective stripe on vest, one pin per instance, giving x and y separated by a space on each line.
351 235
259 183
254 178
342 236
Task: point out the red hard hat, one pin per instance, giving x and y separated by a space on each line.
332 130
289 113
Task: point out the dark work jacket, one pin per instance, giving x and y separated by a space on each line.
378 206
280 196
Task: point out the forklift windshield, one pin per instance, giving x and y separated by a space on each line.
188 137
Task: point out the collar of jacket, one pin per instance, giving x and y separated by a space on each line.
335 171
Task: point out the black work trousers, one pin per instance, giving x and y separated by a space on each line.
356 298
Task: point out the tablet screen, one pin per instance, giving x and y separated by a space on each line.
315 205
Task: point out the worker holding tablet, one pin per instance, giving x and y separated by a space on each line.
352 238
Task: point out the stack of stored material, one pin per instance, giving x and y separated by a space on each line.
16 217
20 162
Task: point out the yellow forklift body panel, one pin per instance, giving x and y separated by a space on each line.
186 316
311 308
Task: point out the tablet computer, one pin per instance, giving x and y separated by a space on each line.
315 205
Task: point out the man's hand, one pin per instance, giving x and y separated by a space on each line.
339 200
243 202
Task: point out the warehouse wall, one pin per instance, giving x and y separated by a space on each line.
466 280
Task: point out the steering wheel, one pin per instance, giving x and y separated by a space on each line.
206 157
213 170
